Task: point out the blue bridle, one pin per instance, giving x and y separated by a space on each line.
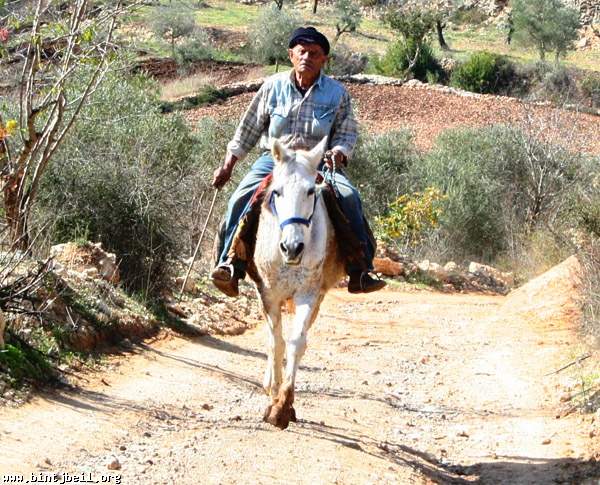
292 220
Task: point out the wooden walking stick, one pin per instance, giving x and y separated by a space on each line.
210 211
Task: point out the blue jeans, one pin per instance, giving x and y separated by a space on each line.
239 205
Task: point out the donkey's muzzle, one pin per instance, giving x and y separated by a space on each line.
292 253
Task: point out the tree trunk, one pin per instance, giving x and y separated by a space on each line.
315 6
440 35
16 217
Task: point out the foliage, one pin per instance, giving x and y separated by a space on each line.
404 58
46 113
590 86
468 16
270 33
344 61
119 179
23 362
549 24
196 47
484 73
412 23
173 22
550 82
379 167
347 15
207 95
410 217
500 183
586 214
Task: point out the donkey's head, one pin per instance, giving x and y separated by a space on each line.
293 197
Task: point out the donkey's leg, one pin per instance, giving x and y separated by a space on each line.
307 308
276 347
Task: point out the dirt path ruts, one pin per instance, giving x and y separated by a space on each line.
400 387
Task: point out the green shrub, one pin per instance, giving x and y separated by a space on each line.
172 22
550 25
120 178
468 16
586 214
494 193
410 218
346 62
379 168
484 73
590 87
195 48
396 61
270 33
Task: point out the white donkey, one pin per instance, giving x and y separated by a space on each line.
296 260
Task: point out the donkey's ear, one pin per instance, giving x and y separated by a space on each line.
316 154
279 152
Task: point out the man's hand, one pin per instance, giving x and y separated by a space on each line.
336 156
222 174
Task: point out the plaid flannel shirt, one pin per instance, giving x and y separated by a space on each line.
279 110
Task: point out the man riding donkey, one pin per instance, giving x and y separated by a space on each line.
299 108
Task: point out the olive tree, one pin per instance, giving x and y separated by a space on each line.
58 41
347 17
550 25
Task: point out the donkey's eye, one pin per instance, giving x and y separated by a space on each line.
311 191
277 193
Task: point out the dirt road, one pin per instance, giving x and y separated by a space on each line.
400 387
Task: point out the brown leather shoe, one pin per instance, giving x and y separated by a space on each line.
362 282
226 279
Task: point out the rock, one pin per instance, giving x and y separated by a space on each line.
424 265
451 267
91 272
547 441
190 284
88 258
113 464
388 267
437 272
497 277
582 43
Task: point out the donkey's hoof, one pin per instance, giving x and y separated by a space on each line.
278 416
267 413
293 418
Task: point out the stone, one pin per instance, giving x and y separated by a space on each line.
113 463
88 258
437 272
498 277
190 284
582 43
388 267
451 267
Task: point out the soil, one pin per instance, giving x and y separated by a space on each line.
427 112
402 386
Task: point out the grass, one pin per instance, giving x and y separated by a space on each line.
206 95
465 42
372 37
227 14
23 363
185 86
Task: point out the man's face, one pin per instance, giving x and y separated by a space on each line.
307 58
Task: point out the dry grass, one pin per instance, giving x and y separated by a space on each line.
186 86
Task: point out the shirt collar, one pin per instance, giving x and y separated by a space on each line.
318 82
